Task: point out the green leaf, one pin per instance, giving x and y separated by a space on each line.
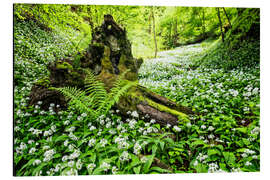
242 130
36 170
160 170
201 168
154 148
148 163
229 158
196 143
162 144
213 152
137 169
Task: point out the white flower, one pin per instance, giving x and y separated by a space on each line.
108 125
112 131
211 128
91 142
248 163
195 163
32 150
236 170
213 167
37 132
72 136
71 147
70 172
114 169
79 164
17 128
36 162
66 143
153 121
132 123
45 147
57 168
66 122
147 124
105 166
211 136
91 166
255 157
188 124
64 158
102 122
121 142
53 128
48 155
47 133
255 131
71 129
31 141
176 128
124 156
168 126
144 159
92 128
137 148
202 157
203 126
248 151
103 142
70 163
83 114
75 154
135 114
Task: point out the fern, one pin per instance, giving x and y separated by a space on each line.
95 100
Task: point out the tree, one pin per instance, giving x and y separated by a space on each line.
220 24
154 30
230 25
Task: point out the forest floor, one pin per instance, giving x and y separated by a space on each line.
225 139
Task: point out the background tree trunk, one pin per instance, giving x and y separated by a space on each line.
227 17
154 31
220 25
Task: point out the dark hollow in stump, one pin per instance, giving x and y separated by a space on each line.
108 56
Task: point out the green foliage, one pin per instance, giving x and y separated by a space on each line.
95 100
223 86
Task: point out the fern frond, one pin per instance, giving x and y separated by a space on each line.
95 89
114 95
77 99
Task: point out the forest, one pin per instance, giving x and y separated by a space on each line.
113 89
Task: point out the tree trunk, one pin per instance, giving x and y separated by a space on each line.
227 17
150 24
154 31
203 22
108 39
220 25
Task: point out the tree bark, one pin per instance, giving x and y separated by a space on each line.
203 22
154 31
220 25
227 17
98 58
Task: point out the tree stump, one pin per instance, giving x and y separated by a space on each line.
108 56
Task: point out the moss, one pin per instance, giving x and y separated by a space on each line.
45 82
160 107
63 65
